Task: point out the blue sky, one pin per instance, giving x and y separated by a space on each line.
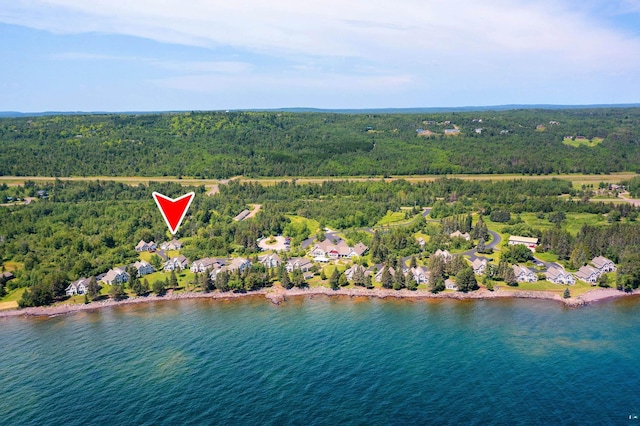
143 55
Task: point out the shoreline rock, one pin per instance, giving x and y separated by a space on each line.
278 295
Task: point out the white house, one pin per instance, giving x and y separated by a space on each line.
80 286
144 268
479 265
171 245
202 265
341 250
444 254
420 274
115 276
588 274
450 285
270 260
239 263
144 246
301 263
459 234
558 275
177 263
603 264
524 274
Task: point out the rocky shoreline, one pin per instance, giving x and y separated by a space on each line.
278 295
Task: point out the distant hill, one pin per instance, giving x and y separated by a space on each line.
328 143
416 110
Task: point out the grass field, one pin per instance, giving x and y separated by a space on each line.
390 218
577 289
572 223
584 142
312 225
10 301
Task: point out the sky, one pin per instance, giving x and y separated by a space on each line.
159 55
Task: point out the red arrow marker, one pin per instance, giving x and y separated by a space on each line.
172 210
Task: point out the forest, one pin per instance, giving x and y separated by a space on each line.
85 228
253 144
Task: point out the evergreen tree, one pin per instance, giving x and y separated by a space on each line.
358 276
93 288
342 280
323 275
117 291
159 287
285 280
436 270
413 263
333 280
387 278
466 280
410 282
567 293
173 280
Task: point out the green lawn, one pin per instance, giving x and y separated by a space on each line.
391 217
576 290
586 142
312 225
573 223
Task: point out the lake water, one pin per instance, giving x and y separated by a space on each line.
325 361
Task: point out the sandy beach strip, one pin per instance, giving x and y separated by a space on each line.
278 295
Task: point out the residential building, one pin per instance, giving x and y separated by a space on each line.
444 254
558 275
588 274
199 266
420 274
301 263
603 264
115 276
524 274
80 286
340 250
144 268
450 285
378 276
177 263
171 245
270 260
238 263
349 273
144 246
479 265
459 234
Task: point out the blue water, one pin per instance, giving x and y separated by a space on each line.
325 361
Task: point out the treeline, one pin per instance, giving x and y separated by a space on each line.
221 145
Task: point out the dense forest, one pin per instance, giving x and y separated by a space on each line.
226 144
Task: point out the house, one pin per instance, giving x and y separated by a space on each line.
199 266
603 264
531 243
378 276
421 242
340 250
459 234
115 276
80 286
444 254
349 273
144 246
524 274
479 265
588 274
504 132
478 130
177 263
144 268
558 275
450 285
270 260
301 263
238 264
6 276
420 274
171 245
358 250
